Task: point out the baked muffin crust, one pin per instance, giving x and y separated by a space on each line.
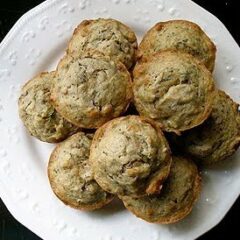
71 176
108 36
218 137
179 193
91 90
179 35
130 156
37 113
174 89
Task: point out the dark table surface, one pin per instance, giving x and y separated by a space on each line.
226 11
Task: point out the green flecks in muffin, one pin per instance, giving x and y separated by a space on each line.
38 114
71 175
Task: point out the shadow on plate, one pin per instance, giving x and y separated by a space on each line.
229 164
115 207
37 149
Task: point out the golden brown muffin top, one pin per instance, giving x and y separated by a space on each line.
218 137
108 36
179 35
71 176
174 89
130 156
37 112
175 201
91 90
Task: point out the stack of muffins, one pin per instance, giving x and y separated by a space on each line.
169 81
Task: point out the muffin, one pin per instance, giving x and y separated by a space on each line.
179 35
71 176
176 200
37 113
91 90
218 137
130 156
174 89
111 37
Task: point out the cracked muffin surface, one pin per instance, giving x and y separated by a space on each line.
218 137
130 156
179 35
37 113
91 90
174 89
108 36
179 193
71 176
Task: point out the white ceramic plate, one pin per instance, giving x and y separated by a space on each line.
35 44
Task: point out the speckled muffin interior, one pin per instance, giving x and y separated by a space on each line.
174 89
38 114
89 91
71 176
178 195
108 36
218 137
130 156
180 35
